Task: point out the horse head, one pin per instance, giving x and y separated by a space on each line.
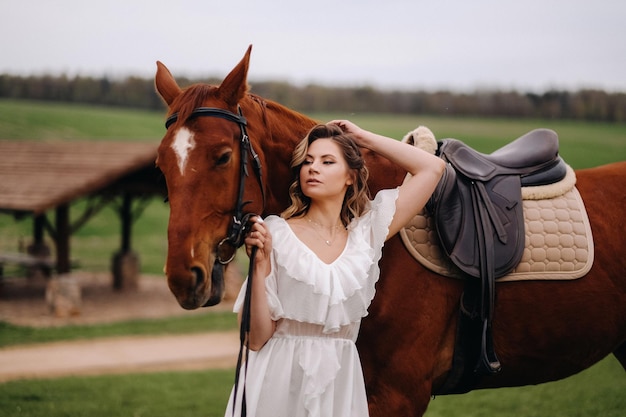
210 164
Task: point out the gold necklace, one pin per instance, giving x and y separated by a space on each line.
328 242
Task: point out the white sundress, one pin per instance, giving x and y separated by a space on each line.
310 366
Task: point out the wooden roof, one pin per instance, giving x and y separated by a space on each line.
37 176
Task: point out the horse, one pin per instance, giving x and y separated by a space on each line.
543 331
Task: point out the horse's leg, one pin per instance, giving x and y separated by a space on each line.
406 342
620 354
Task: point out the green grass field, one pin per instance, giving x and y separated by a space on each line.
598 391
211 321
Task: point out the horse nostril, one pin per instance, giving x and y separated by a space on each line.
198 275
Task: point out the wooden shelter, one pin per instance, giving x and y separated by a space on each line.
40 177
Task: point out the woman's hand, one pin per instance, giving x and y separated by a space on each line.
260 237
262 326
362 137
348 127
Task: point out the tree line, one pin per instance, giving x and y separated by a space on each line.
137 92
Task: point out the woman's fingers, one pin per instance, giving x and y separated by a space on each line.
258 235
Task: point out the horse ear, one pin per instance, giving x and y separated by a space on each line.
165 84
235 85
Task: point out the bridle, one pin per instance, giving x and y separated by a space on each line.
226 249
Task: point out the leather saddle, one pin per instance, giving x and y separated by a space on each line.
478 213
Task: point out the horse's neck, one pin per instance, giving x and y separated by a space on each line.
383 174
283 129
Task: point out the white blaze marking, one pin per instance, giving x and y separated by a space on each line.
182 144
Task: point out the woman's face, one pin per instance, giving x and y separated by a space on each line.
324 173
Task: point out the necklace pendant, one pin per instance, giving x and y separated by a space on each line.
328 242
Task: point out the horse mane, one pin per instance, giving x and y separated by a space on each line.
290 124
196 96
191 98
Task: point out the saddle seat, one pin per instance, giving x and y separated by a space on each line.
533 156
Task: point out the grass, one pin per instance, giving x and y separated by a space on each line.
597 391
192 323
170 394
34 120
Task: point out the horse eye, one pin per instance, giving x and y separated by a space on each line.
224 158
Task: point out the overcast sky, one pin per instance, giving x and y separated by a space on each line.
528 45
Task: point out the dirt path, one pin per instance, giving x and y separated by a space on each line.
22 302
120 355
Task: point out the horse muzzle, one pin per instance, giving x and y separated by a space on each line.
217 285
195 288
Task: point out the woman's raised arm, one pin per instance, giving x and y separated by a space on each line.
425 169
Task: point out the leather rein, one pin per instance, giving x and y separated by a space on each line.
239 227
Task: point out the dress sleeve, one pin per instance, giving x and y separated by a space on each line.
271 291
240 298
379 218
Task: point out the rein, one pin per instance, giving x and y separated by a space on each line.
227 247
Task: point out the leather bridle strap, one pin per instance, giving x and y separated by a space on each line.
238 226
236 234
212 112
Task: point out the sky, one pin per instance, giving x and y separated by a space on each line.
462 45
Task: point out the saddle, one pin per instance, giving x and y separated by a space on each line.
478 213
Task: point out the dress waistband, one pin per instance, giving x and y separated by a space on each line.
292 328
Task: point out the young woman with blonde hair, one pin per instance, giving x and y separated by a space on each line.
319 261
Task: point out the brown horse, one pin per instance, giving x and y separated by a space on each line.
543 331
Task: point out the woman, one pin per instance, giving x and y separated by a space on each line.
320 264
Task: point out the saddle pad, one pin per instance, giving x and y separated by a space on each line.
559 244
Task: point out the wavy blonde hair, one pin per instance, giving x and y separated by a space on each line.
357 198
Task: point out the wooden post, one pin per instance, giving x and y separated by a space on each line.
38 247
127 222
126 263
63 234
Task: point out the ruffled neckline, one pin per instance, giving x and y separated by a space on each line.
341 290
308 249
